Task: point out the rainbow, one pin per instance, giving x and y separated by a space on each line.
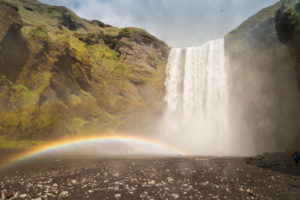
56 145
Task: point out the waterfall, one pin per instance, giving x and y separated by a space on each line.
196 97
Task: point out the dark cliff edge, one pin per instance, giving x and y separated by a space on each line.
61 74
265 102
288 30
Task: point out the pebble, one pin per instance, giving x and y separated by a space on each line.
146 183
64 194
83 180
116 174
23 195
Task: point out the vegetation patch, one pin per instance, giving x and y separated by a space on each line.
126 32
78 123
6 143
28 97
80 59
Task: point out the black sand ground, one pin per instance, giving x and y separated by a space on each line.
154 178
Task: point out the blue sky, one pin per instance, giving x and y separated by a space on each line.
179 23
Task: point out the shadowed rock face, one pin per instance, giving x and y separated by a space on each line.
265 103
14 52
69 76
288 30
69 23
60 74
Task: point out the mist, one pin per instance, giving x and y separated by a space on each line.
265 102
218 104
109 148
249 108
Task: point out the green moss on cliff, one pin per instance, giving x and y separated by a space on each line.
79 75
5 143
78 123
259 26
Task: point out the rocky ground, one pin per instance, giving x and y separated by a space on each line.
149 178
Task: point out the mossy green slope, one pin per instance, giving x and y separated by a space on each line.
265 103
61 74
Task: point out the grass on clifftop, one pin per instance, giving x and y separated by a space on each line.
294 8
244 30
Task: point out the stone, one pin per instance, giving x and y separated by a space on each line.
170 179
64 194
152 182
8 194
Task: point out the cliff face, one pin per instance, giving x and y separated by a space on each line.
288 30
60 74
265 103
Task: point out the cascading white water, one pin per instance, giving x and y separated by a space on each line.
197 99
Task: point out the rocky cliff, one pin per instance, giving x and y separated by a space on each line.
265 103
61 74
288 30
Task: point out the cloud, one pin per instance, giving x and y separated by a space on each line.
179 23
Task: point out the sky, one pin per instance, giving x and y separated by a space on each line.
180 23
